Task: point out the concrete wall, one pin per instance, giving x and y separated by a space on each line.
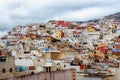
57 75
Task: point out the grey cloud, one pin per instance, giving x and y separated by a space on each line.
34 11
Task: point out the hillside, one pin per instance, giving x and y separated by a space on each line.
115 17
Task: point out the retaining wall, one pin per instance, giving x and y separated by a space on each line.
56 75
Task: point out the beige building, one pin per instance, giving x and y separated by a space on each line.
7 67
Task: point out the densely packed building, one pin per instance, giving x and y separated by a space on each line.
46 46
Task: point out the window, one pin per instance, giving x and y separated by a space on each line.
4 70
64 65
11 70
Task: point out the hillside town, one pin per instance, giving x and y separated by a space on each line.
89 47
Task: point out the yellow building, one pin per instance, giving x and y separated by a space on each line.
90 29
113 25
58 34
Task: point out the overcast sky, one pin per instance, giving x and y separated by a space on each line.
20 12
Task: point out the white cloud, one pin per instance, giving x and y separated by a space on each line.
85 14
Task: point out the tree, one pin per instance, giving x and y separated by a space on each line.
55 40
